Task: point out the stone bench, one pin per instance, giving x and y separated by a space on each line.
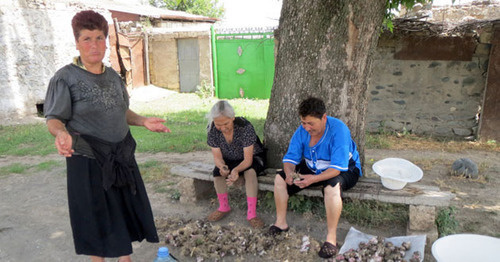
421 199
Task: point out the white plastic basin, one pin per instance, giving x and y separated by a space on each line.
396 172
466 247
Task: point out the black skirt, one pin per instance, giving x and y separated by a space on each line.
106 222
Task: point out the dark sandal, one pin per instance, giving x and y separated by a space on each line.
274 230
328 250
217 215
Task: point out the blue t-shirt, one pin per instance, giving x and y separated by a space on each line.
335 149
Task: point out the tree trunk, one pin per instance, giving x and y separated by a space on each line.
324 50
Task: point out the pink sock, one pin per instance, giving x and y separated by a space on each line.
252 207
223 203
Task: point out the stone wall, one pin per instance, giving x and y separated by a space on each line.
460 13
425 96
36 40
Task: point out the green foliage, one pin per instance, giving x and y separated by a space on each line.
365 213
302 204
175 195
296 203
446 221
266 201
205 90
374 213
209 8
491 142
376 141
394 5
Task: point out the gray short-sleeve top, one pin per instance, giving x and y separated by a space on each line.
87 103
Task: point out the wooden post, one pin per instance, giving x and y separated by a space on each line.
490 117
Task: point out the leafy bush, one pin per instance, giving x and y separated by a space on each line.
205 90
446 221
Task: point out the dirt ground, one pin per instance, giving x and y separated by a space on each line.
34 224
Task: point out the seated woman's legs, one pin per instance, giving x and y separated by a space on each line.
224 208
251 183
251 187
125 259
220 184
96 259
221 190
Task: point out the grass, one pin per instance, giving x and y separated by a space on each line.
374 213
24 140
48 165
186 117
155 173
20 168
395 141
14 168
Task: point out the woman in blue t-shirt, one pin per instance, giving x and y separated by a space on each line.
237 151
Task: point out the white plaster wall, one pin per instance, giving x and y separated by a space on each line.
35 41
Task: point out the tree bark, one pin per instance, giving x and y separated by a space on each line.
324 50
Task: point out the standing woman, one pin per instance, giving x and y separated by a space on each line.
237 151
86 107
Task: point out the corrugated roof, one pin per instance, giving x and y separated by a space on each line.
154 12
143 10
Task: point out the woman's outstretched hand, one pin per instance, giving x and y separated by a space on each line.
155 124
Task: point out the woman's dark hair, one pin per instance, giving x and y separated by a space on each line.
312 106
89 20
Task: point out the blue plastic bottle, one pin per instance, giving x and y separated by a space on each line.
163 255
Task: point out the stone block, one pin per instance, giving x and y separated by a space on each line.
422 222
421 218
431 236
462 131
195 189
393 125
482 50
443 130
486 35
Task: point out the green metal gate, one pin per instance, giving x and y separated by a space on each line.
243 64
